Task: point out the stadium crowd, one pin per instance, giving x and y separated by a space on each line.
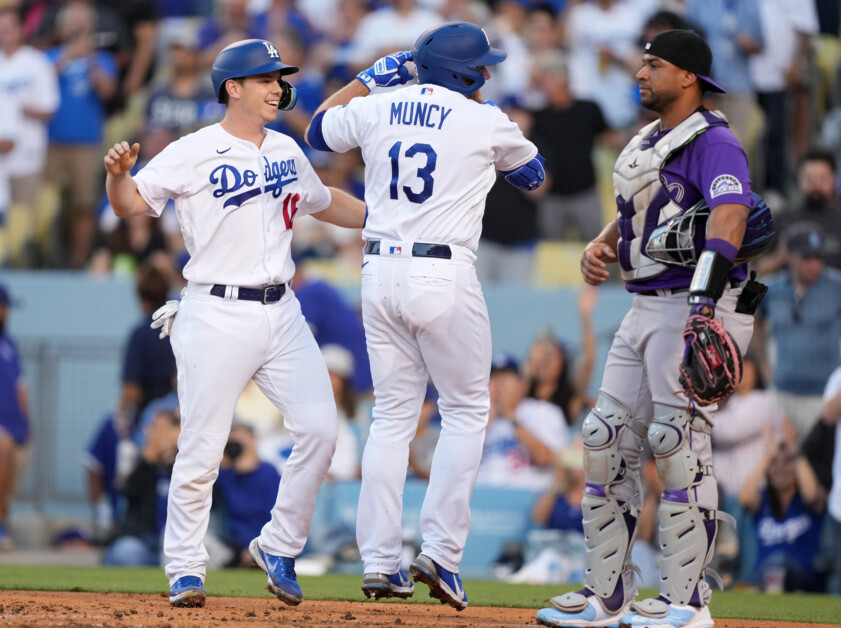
75 74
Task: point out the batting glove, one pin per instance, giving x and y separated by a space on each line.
164 317
387 71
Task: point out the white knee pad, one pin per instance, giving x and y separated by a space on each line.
687 531
668 435
602 458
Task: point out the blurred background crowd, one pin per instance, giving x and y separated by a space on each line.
78 75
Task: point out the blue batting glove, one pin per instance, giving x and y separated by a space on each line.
387 71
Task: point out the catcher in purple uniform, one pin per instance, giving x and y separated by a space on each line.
687 223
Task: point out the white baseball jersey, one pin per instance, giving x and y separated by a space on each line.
235 203
430 159
28 79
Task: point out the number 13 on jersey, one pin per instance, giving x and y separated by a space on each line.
424 173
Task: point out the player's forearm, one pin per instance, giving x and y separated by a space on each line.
344 211
727 222
609 235
123 195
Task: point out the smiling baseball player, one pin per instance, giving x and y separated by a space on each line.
237 188
431 153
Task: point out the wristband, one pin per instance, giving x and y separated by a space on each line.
367 80
710 276
723 247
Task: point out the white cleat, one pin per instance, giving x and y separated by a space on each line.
654 612
575 610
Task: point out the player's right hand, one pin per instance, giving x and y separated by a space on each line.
387 71
594 261
121 158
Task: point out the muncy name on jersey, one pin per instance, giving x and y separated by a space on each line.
418 114
277 174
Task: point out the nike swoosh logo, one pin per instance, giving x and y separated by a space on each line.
364 264
222 152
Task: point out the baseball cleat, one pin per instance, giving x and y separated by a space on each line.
657 612
444 585
187 592
380 585
281 571
580 609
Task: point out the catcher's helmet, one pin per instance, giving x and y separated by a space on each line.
446 54
246 58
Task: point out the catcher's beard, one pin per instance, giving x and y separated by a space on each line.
658 101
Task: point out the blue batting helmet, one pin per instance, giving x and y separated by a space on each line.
446 55
246 58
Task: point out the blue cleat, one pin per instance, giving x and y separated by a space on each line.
380 585
444 585
281 571
187 592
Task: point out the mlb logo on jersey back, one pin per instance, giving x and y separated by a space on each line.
426 90
395 250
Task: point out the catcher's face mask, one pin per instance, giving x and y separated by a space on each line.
681 239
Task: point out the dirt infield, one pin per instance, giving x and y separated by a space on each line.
36 608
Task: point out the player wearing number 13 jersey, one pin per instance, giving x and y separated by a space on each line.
431 151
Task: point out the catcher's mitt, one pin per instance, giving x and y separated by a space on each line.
712 364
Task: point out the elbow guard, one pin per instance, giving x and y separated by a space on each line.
529 176
315 136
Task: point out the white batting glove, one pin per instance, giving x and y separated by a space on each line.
387 71
164 317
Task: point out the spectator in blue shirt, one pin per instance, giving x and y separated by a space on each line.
802 313
788 516
14 418
734 32
87 79
333 321
149 364
247 487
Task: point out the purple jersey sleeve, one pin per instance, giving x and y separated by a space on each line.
723 169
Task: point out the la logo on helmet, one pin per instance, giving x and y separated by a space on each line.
271 50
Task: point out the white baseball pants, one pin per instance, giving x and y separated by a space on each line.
423 317
219 344
642 370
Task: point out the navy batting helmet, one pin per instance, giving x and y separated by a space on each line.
246 58
446 55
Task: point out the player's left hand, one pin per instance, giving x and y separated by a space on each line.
164 317
711 368
387 71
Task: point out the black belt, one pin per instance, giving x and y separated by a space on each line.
668 291
419 249
269 294
664 291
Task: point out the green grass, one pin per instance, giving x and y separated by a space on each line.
251 583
